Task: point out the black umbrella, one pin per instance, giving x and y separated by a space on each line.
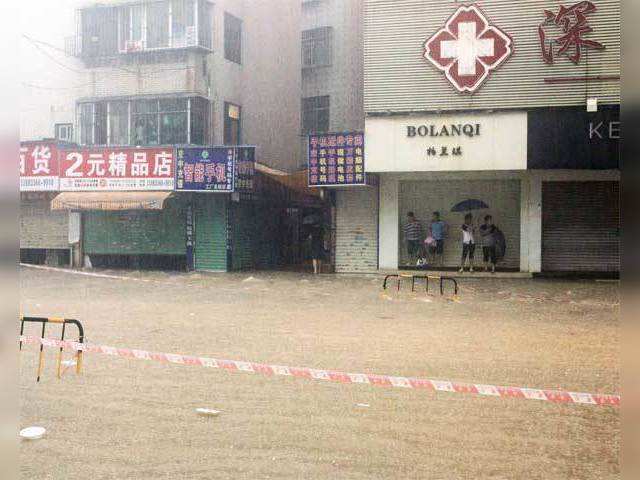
469 205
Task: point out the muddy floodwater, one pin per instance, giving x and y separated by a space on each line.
133 419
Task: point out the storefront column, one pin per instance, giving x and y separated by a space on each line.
531 223
389 222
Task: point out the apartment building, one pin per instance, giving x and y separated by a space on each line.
161 75
332 101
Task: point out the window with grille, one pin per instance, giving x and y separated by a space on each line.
144 121
64 132
317 47
232 38
315 114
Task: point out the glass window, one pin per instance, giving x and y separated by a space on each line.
158 25
100 124
205 28
182 23
64 132
85 122
119 123
144 122
232 124
232 38
315 114
131 29
317 47
199 120
173 121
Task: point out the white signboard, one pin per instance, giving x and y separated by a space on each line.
451 142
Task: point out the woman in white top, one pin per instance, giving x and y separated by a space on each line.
468 242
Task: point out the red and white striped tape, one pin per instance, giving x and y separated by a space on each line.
554 396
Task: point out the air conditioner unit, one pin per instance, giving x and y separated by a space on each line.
192 39
133 46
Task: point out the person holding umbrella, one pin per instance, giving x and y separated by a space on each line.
468 229
468 242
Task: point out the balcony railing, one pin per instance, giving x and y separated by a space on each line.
108 30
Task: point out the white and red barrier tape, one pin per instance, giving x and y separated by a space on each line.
554 396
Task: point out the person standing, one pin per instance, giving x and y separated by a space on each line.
468 242
317 248
437 231
412 231
488 234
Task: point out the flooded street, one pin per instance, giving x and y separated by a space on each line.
126 418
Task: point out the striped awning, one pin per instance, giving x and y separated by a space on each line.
110 201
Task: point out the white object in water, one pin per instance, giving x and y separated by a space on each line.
363 405
207 412
69 363
32 433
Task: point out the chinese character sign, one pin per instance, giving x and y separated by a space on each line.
205 169
245 169
38 167
117 169
336 159
563 32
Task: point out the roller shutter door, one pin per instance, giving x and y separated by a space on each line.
580 227
136 232
425 197
357 230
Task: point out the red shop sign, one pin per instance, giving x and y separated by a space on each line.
117 169
38 167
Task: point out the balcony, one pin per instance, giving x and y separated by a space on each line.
107 31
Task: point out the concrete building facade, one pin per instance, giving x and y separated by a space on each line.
504 102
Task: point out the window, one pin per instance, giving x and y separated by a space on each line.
182 23
131 28
64 132
232 38
149 121
85 123
99 31
119 123
199 120
157 25
100 123
232 124
173 121
317 47
162 24
315 114
144 122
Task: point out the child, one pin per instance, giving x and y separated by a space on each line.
468 242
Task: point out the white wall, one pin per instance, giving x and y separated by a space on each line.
388 229
500 145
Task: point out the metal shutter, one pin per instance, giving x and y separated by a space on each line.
581 226
425 197
357 230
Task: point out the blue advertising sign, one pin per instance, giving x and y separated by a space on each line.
205 169
336 159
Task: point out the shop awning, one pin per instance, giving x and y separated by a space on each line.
110 201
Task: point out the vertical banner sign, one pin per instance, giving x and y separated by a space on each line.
190 235
38 167
336 159
245 169
205 169
117 169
